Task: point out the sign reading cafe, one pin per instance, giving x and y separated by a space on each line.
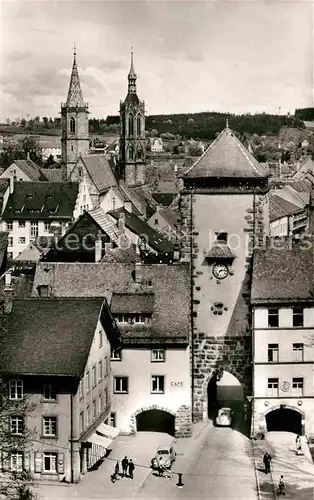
176 384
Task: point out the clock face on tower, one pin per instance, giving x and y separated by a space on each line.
220 271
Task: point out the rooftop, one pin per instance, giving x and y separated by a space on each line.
41 200
132 303
278 207
283 274
100 171
226 157
31 169
49 336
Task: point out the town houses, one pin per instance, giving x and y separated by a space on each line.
125 310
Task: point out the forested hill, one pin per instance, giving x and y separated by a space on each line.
206 125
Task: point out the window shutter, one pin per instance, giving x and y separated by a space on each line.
27 461
5 461
61 463
38 461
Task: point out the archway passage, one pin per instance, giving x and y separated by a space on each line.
156 421
284 419
225 390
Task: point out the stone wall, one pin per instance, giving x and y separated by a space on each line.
183 419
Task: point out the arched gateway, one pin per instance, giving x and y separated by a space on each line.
154 419
285 419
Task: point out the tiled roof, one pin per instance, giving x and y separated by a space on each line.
226 157
142 195
53 174
170 215
105 222
283 274
29 254
41 200
122 256
101 173
49 336
31 169
221 251
278 207
157 241
164 199
132 303
170 319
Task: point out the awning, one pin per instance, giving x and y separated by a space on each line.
100 440
104 435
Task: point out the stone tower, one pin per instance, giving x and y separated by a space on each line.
132 134
224 212
74 124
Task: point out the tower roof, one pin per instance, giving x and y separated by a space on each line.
75 96
132 73
226 157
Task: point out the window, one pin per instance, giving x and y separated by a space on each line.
100 403
17 460
9 226
50 462
112 420
298 350
100 338
81 389
115 355
22 239
156 222
273 353
16 425
87 381
106 396
107 367
131 124
158 355
16 389
81 421
49 392
273 317
94 409
221 237
87 415
120 385
121 318
10 241
272 387
100 371
72 147
50 426
34 229
297 386
94 376
139 128
72 125
21 223
158 384
297 316
139 318
47 227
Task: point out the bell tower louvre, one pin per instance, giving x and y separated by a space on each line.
74 124
132 134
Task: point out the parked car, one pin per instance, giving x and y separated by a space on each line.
165 456
224 417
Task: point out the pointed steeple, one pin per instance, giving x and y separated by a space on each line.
132 76
75 97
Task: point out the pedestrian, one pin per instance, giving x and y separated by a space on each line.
131 468
125 464
298 445
117 469
115 475
281 486
267 459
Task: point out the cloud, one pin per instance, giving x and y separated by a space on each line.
111 65
19 56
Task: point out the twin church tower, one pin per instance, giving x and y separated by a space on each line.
75 135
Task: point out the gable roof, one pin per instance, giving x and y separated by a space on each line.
226 157
132 303
100 171
105 222
41 200
170 320
279 207
68 325
31 169
164 199
283 274
156 240
53 174
122 255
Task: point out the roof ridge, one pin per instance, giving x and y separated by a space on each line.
206 150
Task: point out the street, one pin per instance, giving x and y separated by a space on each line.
222 468
216 465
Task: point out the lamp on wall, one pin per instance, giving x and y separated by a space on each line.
266 403
300 403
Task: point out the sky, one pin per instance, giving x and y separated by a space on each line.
190 56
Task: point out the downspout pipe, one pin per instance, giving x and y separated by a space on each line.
71 439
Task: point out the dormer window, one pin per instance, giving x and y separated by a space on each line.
132 319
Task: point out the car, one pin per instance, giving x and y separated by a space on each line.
224 417
165 456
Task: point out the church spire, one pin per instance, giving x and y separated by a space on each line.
75 97
132 76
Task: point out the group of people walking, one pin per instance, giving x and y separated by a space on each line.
127 469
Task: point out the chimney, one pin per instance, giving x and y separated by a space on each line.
98 249
27 156
128 206
8 293
138 273
11 186
121 224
